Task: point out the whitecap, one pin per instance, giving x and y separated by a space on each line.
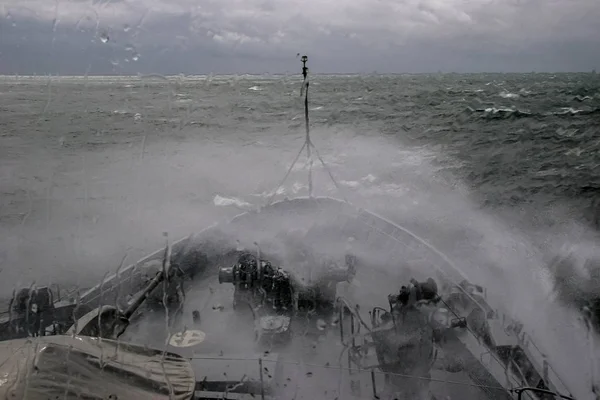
568 110
351 184
265 194
566 132
548 172
575 152
369 178
297 186
221 201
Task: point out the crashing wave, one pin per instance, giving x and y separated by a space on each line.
577 283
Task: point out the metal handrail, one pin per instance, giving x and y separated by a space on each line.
520 392
365 220
373 314
354 311
526 341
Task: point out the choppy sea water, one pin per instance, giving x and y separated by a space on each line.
515 139
520 147
498 171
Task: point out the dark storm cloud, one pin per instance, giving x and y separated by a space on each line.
229 36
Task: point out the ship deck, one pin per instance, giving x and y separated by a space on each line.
224 354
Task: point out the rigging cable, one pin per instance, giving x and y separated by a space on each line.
307 144
304 89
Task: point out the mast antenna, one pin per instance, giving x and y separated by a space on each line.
307 143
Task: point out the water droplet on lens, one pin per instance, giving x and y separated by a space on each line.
126 28
10 18
104 37
135 57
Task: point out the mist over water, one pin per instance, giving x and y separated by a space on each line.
92 170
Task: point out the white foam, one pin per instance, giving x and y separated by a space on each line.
352 184
221 201
297 187
506 95
369 178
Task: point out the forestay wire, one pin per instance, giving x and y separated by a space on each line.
308 144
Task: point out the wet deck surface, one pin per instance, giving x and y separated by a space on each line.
222 347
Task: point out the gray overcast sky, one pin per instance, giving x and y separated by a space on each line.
256 36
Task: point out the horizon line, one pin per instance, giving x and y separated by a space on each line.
283 74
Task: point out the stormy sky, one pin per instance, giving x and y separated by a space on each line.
264 36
